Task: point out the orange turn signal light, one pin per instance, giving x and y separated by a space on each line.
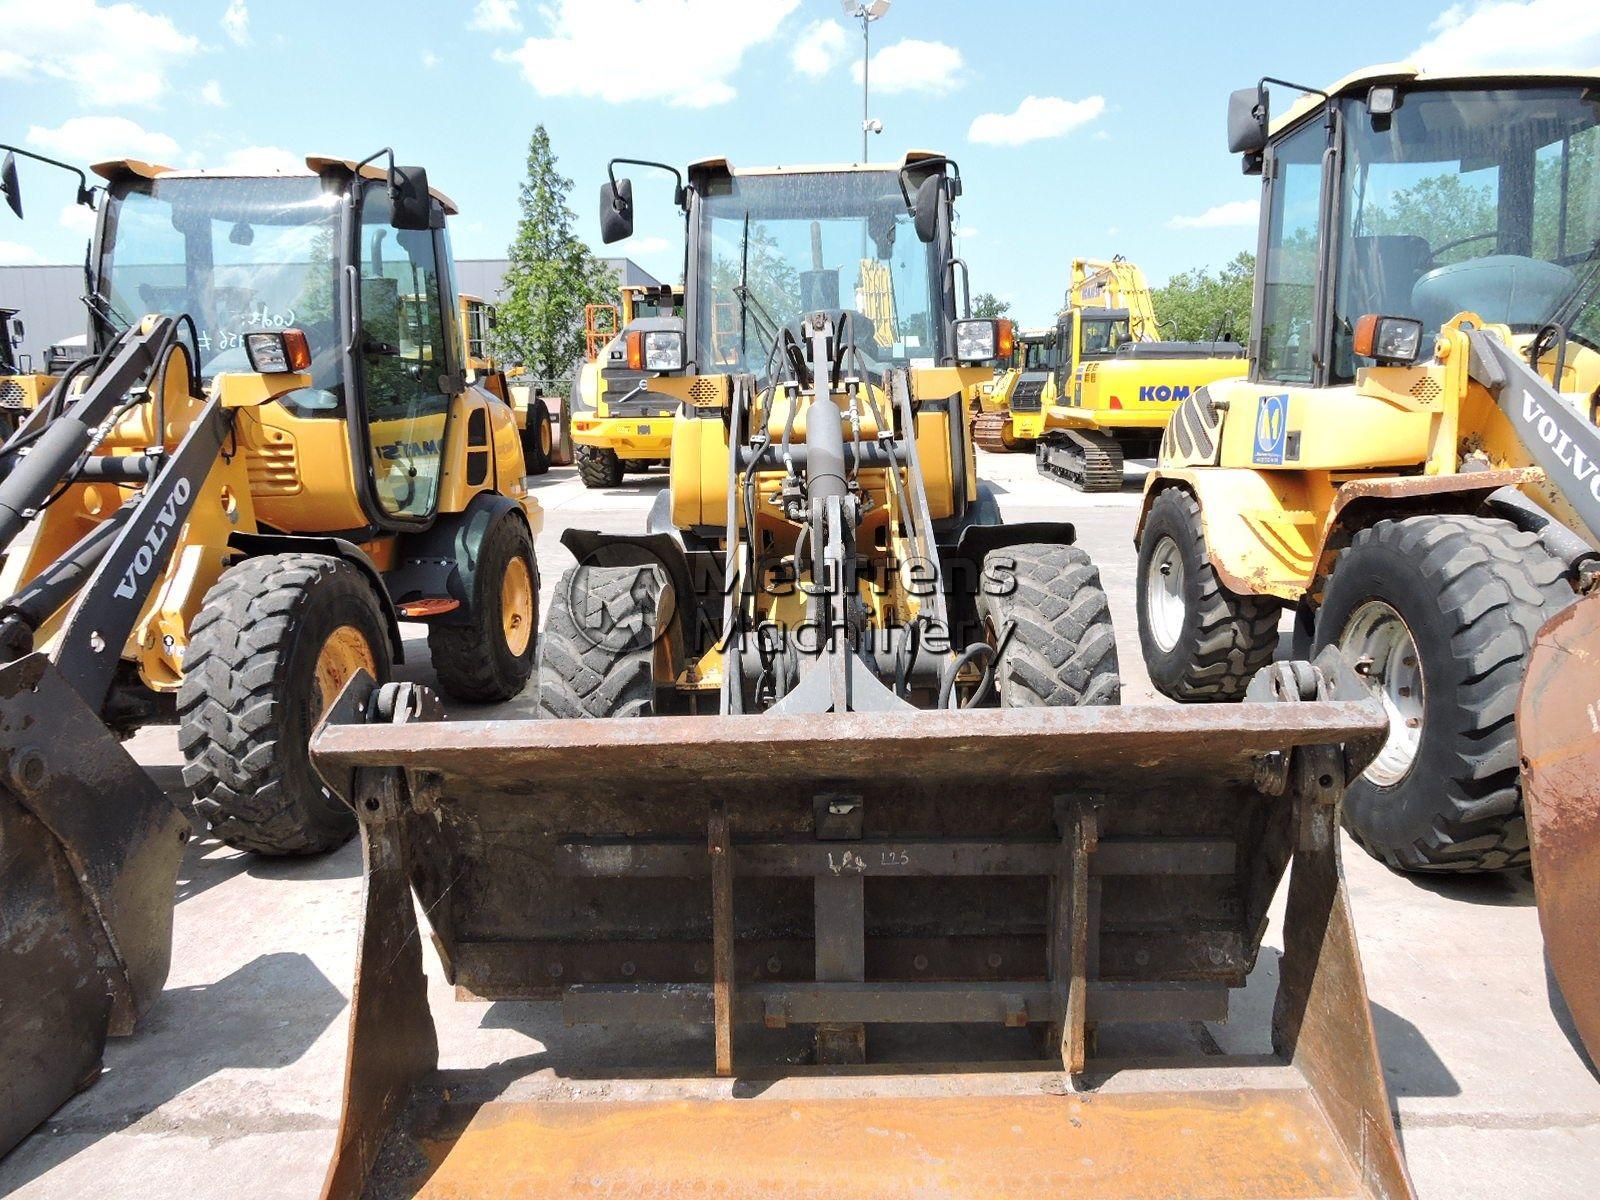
636 352
297 350
1005 339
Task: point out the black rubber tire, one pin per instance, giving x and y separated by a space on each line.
538 442
474 662
249 699
598 468
1226 638
597 654
1060 650
1473 591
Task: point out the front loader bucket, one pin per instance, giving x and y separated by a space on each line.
1558 724
860 955
89 853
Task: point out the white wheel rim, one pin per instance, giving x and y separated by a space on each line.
1378 641
1164 607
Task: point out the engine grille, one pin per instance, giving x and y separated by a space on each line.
275 470
1028 395
11 394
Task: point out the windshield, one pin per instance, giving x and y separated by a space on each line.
1038 354
236 255
776 247
1481 201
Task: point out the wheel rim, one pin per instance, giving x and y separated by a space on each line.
516 606
344 653
1164 606
1377 639
546 439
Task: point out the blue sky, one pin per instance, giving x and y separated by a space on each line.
1086 129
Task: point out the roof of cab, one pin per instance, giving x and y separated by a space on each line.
911 158
1359 81
114 169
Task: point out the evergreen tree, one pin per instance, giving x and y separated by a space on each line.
551 277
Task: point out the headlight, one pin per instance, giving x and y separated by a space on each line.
277 353
1392 341
657 350
977 341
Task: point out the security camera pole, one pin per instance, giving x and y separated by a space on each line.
867 11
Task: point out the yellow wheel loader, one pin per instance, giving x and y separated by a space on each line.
833 826
485 369
616 424
21 387
1382 471
270 458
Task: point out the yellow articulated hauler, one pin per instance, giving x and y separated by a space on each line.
1110 384
617 423
1377 473
831 821
271 457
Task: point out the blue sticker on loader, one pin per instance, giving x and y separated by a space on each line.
1272 430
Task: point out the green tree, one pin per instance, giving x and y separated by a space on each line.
987 304
1199 304
552 275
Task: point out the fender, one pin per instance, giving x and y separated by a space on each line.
256 545
696 587
443 560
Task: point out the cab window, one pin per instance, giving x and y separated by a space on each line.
404 359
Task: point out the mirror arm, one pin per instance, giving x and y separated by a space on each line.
680 195
393 178
1261 87
85 191
926 164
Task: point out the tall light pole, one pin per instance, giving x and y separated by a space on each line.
866 11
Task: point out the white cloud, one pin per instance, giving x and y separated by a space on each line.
95 139
430 60
211 93
495 16
968 231
1035 119
260 160
236 22
819 49
77 218
113 54
584 56
916 66
14 254
1236 214
1491 35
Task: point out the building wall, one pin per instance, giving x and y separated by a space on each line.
49 298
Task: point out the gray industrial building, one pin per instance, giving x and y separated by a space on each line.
49 298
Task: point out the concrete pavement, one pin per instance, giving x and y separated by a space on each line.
231 1088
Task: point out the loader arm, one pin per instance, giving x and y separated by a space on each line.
1557 724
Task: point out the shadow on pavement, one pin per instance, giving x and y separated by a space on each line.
207 863
263 1016
1497 889
1563 1016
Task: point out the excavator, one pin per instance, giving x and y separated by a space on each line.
269 459
832 866
1111 383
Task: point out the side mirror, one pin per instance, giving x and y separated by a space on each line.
616 211
9 185
413 205
925 214
1248 118
19 331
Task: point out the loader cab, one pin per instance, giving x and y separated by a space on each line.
326 254
1421 198
768 246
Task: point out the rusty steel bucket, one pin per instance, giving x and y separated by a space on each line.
908 954
89 854
1558 726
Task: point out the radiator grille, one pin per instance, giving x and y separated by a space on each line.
275 470
1027 396
11 394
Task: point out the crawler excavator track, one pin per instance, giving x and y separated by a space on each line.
1085 459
